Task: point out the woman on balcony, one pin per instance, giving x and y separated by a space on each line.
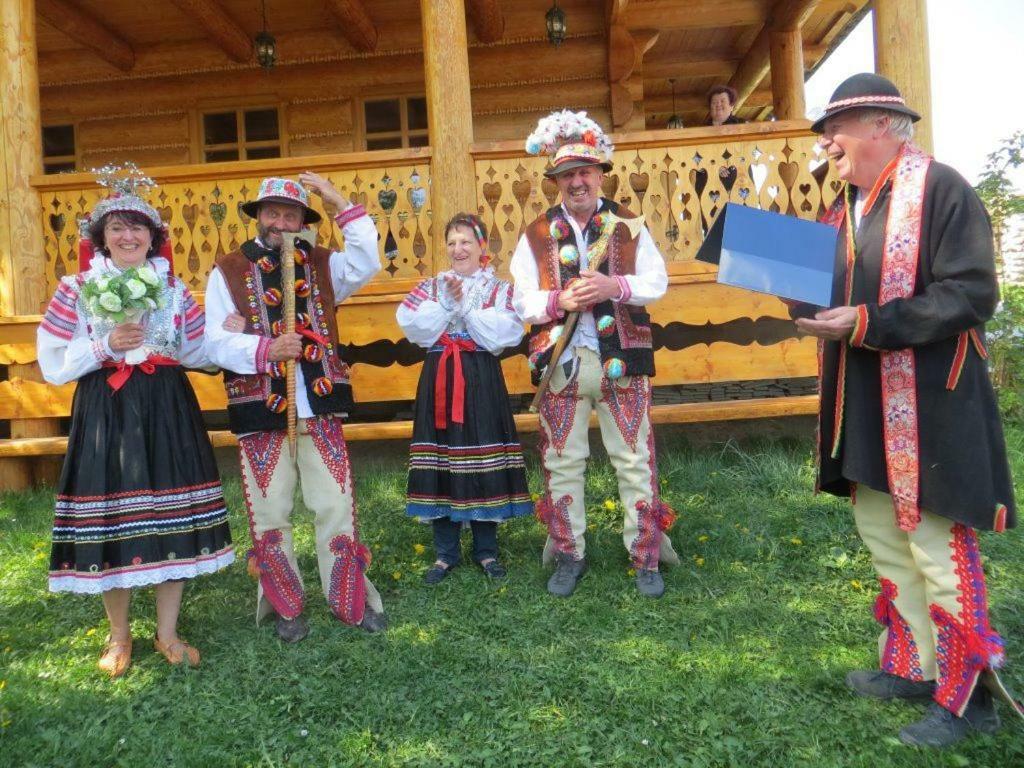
139 501
465 462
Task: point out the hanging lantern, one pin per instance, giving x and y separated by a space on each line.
555 21
675 121
266 45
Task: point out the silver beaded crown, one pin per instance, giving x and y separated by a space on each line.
126 184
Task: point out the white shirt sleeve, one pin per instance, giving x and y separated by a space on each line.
651 280
355 266
495 328
193 347
63 347
422 319
226 349
530 302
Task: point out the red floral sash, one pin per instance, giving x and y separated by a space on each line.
898 277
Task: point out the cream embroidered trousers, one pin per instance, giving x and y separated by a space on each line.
327 491
624 419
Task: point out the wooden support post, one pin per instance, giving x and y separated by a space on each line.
901 54
787 67
626 51
22 281
449 113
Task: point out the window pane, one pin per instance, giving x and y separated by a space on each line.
261 125
58 140
259 153
220 128
417 107
382 116
221 155
392 143
58 167
419 141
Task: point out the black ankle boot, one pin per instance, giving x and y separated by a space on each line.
941 728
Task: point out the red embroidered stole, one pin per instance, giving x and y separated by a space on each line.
900 255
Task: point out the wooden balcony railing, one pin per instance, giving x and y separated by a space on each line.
672 178
201 205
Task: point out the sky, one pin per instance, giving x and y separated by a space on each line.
976 58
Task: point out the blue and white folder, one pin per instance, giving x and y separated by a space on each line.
772 253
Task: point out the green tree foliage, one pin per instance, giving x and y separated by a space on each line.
998 192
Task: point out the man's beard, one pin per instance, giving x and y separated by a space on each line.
265 234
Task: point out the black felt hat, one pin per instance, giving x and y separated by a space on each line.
864 91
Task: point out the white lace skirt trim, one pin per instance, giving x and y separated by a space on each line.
145 575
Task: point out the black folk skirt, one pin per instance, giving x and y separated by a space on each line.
473 470
139 499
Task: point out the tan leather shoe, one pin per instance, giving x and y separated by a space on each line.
177 652
116 657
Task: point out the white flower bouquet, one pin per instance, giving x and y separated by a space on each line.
124 297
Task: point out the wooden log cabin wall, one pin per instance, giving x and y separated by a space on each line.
368 93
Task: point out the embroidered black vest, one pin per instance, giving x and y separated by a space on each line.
258 402
623 331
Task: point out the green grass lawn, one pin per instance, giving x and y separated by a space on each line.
740 664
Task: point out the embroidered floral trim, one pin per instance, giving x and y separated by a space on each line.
900 656
263 355
349 215
555 515
61 316
628 405
328 437
553 310
281 585
653 519
558 412
346 594
626 291
860 326
262 451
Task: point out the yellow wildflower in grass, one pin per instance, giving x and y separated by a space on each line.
631 571
396 575
91 631
703 538
419 549
795 541
700 562
609 505
856 584
535 497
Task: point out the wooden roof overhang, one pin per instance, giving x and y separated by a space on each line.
87 46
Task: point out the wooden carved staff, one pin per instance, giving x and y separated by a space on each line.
598 253
288 289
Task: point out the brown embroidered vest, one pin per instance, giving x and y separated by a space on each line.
257 402
623 331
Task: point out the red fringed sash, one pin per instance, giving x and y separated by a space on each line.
898 277
124 370
453 349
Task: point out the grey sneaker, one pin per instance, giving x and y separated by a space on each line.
292 630
567 572
876 684
941 728
650 583
373 621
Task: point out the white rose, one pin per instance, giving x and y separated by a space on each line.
110 302
136 288
102 283
148 275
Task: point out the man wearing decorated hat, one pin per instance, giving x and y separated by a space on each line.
909 427
592 257
252 350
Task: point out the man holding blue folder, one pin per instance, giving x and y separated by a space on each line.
908 426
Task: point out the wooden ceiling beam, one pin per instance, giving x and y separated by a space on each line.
696 102
785 15
487 19
215 23
85 30
355 24
669 15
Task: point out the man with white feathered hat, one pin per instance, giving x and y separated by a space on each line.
591 257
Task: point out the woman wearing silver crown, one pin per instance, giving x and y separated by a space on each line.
139 501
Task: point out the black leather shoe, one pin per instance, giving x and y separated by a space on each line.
650 583
494 570
941 728
437 573
292 630
876 684
373 621
567 572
